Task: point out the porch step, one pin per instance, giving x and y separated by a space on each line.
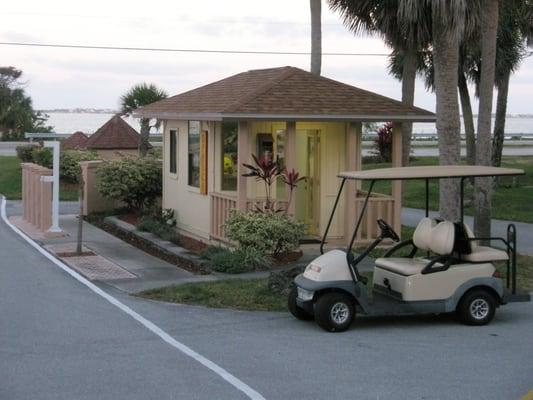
310 240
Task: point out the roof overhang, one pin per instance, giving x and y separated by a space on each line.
284 117
429 172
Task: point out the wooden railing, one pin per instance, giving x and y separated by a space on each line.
221 206
260 203
379 206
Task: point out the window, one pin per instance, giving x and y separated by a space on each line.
173 165
194 153
229 155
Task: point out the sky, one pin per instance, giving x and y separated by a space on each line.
70 78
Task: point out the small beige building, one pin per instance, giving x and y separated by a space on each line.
307 122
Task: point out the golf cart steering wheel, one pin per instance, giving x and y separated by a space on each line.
387 231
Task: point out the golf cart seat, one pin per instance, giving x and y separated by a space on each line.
428 236
482 253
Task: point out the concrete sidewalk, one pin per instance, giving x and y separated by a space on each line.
524 237
149 272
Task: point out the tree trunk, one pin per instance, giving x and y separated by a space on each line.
499 123
144 142
446 62
483 186
408 97
468 118
316 37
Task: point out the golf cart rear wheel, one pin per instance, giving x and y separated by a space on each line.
297 312
477 307
334 311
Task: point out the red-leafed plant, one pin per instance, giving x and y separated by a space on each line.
291 179
383 142
268 171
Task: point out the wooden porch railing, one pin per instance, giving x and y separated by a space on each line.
221 206
259 204
379 206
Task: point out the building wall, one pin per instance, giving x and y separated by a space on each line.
192 208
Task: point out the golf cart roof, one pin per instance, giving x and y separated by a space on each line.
429 172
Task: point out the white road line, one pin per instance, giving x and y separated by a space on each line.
231 379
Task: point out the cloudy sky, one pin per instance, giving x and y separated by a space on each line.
68 78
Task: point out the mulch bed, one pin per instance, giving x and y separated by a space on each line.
194 246
287 258
74 254
132 219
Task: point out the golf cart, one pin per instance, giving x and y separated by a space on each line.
446 269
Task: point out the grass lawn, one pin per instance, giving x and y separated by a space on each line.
11 181
240 294
254 295
509 202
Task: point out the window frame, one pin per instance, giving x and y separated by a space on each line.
222 189
173 147
191 186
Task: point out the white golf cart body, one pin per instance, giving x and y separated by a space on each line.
433 281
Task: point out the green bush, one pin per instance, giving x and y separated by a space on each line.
69 168
158 227
25 152
137 182
235 261
43 156
266 232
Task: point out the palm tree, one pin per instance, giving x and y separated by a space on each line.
515 29
450 20
316 36
483 186
406 37
141 95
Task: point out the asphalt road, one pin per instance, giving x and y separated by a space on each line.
59 340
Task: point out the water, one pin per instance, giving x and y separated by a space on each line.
89 123
85 122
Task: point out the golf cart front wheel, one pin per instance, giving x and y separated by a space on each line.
476 307
297 312
334 312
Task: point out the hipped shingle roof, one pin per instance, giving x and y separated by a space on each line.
76 141
114 134
285 93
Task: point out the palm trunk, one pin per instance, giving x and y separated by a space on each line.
499 123
144 142
468 118
446 63
408 97
316 37
483 186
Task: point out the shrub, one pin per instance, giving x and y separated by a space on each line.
69 168
383 142
282 281
158 227
43 156
25 152
268 233
135 181
235 261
